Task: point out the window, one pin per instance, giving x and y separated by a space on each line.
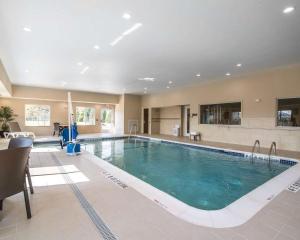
37 115
85 116
107 118
288 112
225 113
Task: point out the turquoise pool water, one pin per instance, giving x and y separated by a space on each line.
201 178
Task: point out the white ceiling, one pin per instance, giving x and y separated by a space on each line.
178 39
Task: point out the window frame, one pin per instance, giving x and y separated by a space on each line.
297 128
25 115
80 123
220 103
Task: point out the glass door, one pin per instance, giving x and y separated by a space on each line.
107 119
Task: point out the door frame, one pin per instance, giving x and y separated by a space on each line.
186 120
146 121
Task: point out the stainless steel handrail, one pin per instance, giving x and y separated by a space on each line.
130 131
257 142
273 147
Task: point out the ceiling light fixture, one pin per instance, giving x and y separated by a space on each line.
228 74
132 29
127 32
27 29
168 87
198 75
239 65
27 71
97 47
83 71
147 79
118 39
288 9
63 83
126 16
170 82
79 63
145 88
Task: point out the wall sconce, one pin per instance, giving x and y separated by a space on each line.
257 100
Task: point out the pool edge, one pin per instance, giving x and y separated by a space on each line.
235 214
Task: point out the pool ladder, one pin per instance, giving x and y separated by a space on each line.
133 127
273 147
256 143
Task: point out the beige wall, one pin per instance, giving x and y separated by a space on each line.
128 107
58 113
169 118
56 99
132 110
258 118
61 95
155 121
163 120
5 85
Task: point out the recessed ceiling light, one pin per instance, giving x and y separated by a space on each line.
228 74
288 9
198 75
27 71
147 79
239 65
126 16
83 71
96 47
145 88
79 63
27 29
170 82
168 87
63 83
132 29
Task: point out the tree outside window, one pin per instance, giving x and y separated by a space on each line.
37 115
106 119
85 116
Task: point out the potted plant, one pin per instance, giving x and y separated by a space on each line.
6 115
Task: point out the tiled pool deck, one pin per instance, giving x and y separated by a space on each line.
58 212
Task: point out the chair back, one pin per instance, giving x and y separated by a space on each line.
20 142
56 126
12 171
14 127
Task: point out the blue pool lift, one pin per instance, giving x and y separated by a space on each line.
69 134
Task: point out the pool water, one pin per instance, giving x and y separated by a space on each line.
201 178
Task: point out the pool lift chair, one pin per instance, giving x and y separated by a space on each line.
69 135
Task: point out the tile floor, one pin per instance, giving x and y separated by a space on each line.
58 214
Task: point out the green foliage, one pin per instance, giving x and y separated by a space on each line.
106 116
6 115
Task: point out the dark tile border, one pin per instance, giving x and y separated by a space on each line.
224 151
